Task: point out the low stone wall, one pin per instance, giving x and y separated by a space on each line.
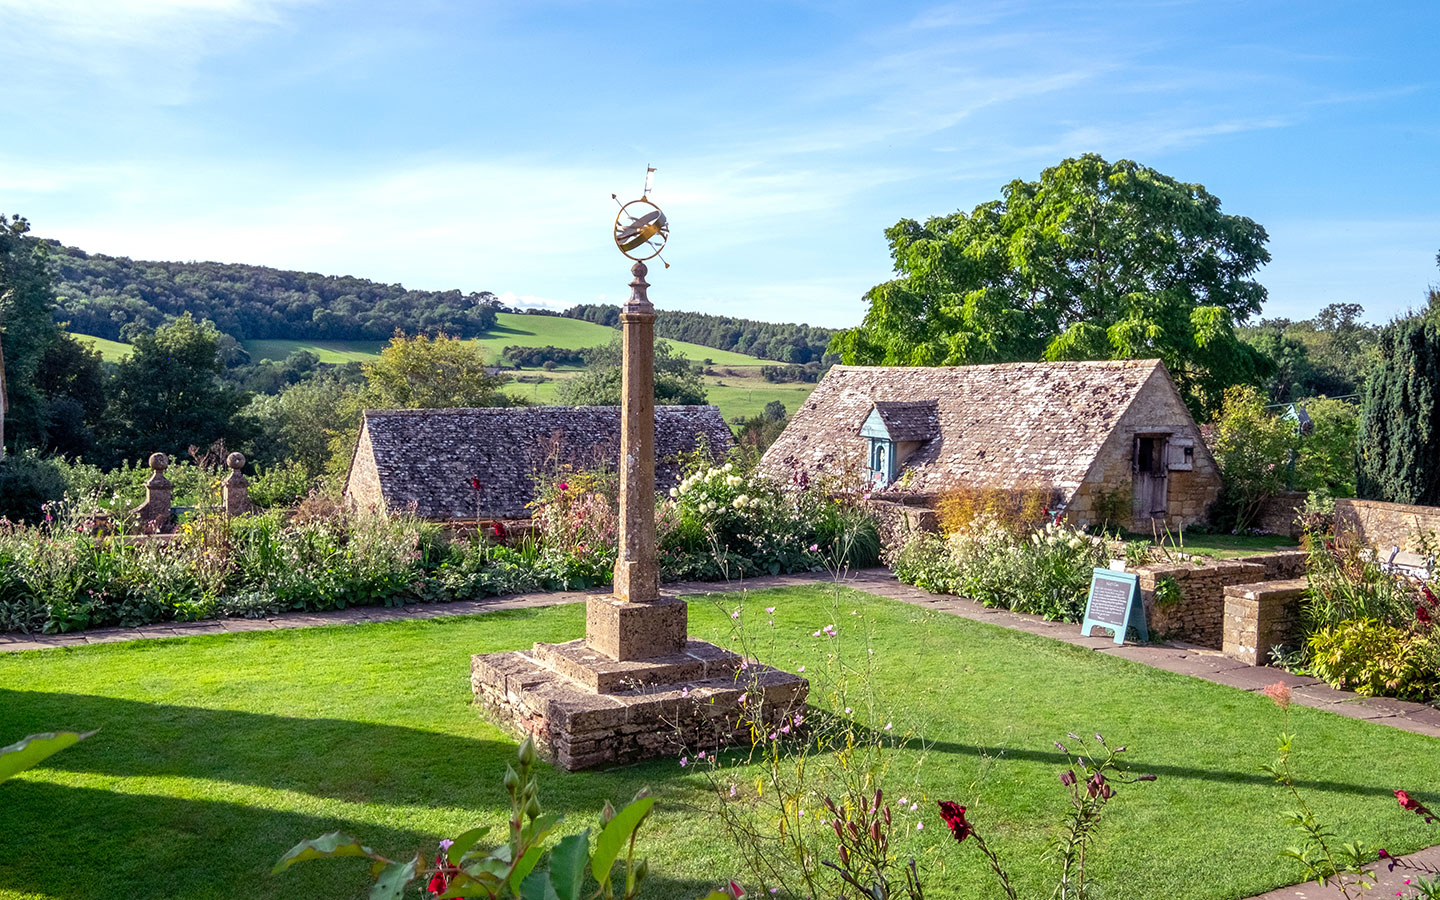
1281 513
1385 525
897 521
1198 615
1260 616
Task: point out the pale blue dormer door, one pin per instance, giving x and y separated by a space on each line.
882 461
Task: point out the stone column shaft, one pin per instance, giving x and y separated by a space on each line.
636 575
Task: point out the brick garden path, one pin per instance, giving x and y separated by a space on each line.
1174 657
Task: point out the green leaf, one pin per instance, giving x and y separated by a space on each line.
327 846
525 866
392 881
567 864
460 885
539 828
464 842
31 751
538 886
612 839
716 895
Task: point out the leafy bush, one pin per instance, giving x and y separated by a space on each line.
1045 571
285 484
28 481
1015 508
1252 449
1374 659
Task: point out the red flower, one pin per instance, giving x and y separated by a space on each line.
440 881
563 486
499 528
475 482
1422 615
954 816
1408 802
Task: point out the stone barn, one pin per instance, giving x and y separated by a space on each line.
1113 439
423 460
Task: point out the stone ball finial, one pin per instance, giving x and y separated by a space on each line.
159 462
639 270
235 460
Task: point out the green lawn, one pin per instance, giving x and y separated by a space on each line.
216 754
1225 546
735 396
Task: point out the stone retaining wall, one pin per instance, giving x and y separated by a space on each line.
1385 525
897 521
1198 615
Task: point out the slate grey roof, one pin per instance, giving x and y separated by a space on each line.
909 421
1008 425
426 458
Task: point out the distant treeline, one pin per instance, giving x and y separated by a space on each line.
767 340
115 297
810 372
539 356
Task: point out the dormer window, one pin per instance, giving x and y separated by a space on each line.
892 432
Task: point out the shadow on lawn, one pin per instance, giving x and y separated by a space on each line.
360 762
82 843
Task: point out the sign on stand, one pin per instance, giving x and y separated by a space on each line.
1114 603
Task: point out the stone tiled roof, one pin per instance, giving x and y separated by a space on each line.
426 458
910 421
1008 425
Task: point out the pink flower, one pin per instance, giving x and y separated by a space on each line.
563 486
770 609
814 547
801 669
684 761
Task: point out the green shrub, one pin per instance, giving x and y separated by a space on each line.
1374 659
1045 571
29 481
279 486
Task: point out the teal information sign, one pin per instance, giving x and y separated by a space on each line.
1114 603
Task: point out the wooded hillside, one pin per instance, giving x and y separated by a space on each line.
100 295
767 340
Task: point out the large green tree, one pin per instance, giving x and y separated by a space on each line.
167 394
1096 260
26 333
424 373
1398 438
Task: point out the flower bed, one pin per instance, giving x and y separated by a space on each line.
1045 571
56 577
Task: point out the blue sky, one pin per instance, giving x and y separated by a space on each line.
475 145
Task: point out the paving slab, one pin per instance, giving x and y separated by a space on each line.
1321 695
1260 677
109 636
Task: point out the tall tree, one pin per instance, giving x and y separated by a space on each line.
676 380
167 394
26 332
1398 438
424 373
1096 260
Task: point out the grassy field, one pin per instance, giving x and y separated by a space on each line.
110 351
512 330
216 754
743 395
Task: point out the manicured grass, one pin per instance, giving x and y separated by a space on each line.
336 352
745 395
110 351
1224 546
217 754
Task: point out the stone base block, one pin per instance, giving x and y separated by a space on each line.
629 630
555 693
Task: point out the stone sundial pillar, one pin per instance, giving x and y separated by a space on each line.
636 574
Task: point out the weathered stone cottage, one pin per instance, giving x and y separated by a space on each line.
423 460
1109 437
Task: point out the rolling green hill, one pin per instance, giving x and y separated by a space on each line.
512 329
110 351
738 390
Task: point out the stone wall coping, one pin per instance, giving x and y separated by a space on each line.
1282 589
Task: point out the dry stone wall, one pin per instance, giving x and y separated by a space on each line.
1198 613
1379 524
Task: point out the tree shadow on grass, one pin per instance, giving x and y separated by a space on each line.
81 843
335 758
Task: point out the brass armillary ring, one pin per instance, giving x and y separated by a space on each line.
641 230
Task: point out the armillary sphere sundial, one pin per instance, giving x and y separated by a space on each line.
636 686
641 228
